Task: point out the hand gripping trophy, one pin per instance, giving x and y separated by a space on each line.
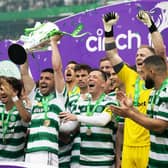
37 38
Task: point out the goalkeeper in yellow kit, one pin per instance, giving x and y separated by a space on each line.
136 143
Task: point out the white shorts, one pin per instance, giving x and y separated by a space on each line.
43 158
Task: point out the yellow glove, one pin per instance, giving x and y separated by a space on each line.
109 20
145 18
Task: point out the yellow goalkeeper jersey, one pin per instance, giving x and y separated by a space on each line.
134 134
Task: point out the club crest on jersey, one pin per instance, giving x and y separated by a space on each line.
99 109
13 118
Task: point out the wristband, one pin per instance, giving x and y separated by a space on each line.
152 28
110 33
15 98
110 46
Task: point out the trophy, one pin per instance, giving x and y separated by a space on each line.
9 69
38 38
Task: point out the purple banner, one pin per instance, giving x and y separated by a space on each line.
130 33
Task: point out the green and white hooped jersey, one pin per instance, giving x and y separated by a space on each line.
66 151
74 101
159 141
117 118
41 137
12 149
97 149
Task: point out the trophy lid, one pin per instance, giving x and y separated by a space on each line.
17 54
9 69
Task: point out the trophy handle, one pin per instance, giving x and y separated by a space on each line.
17 54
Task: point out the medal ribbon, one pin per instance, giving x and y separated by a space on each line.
45 103
137 91
5 123
91 112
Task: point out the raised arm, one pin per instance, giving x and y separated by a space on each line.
57 64
109 20
156 37
28 81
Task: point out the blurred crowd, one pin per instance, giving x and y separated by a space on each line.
19 5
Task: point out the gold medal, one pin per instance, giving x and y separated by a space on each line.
46 123
88 131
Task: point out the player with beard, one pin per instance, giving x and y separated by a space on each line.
154 72
70 78
14 120
47 101
136 138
